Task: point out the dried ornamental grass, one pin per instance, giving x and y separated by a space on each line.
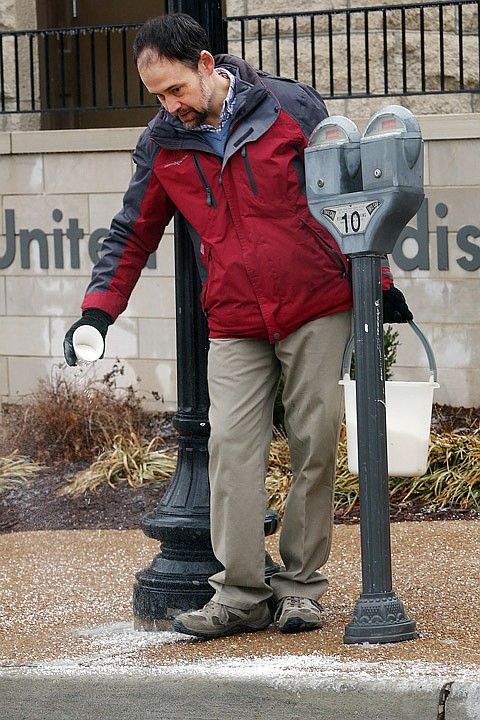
452 478
16 470
129 460
453 473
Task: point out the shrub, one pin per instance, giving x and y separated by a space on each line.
64 423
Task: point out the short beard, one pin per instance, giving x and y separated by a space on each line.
196 121
202 113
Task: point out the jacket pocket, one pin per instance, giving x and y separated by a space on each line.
330 247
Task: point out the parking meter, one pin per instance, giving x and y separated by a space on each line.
333 165
364 190
366 212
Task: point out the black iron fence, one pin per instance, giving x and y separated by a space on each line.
86 68
366 52
414 49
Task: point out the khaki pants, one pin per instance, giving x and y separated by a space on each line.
243 375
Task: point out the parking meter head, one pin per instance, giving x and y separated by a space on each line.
392 150
392 168
334 130
332 159
391 120
364 190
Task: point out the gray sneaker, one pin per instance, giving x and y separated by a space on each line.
294 614
215 620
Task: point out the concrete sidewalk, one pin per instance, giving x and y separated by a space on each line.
68 648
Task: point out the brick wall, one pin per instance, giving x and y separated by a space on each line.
59 190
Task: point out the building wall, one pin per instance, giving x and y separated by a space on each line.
56 186
22 15
59 190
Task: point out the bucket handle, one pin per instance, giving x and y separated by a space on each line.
347 355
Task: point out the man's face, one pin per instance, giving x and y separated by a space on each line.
184 92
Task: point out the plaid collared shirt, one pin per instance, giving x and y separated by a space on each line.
228 103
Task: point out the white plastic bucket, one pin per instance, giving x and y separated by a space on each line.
408 419
409 412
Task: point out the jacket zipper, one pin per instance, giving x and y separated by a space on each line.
249 169
204 180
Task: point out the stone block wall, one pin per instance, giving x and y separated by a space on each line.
21 15
17 15
436 262
60 189
58 193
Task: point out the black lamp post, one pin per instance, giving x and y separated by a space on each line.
178 575
177 579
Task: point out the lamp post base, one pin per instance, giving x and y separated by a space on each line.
171 586
379 618
177 578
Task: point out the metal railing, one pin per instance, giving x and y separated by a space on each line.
414 49
420 48
86 68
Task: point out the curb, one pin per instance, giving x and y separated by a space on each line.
179 694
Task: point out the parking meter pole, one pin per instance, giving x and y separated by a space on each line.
379 615
177 579
371 424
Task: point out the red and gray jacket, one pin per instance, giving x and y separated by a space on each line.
267 266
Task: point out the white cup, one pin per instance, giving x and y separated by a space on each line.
88 343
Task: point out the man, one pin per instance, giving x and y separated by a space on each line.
226 150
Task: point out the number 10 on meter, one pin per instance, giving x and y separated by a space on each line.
353 218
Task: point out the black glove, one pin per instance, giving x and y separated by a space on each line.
97 319
395 308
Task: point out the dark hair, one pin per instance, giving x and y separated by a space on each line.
175 36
